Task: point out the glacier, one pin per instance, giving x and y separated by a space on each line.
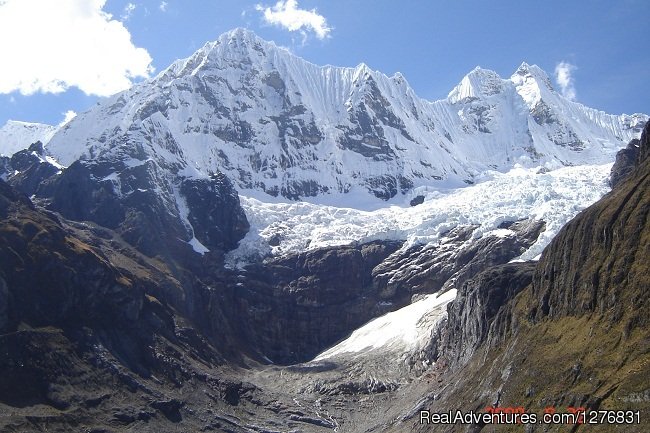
397 333
551 196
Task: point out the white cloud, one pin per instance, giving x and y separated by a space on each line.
67 116
564 77
287 14
163 6
128 10
66 43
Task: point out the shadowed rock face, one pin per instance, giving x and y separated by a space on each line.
28 169
479 309
52 277
217 219
644 145
454 260
139 201
293 307
626 160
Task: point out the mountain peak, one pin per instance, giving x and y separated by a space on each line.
241 33
523 69
534 71
532 83
241 36
236 47
477 84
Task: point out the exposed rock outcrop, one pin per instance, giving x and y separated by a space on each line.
217 219
644 145
296 306
454 259
480 310
28 170
626 160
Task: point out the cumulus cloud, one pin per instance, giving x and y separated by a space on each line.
287 14
50 46
564 78
163 6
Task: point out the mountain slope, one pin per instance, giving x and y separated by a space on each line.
577 336
273 122
16 136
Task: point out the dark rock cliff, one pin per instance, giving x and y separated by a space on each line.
644 145
140 203
295 306
52 277
217 219
136 200
478 311
28 169
626 160
454 260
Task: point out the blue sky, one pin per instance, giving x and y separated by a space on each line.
51 61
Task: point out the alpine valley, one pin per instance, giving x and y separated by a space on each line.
249 242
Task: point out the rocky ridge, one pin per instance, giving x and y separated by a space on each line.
273 122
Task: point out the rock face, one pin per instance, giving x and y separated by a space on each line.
479 311
644 145
454 260
213 211
28 170
157 215
606 271
626 160
298 305
84 287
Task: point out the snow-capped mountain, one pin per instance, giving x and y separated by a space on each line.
274 122
16 136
